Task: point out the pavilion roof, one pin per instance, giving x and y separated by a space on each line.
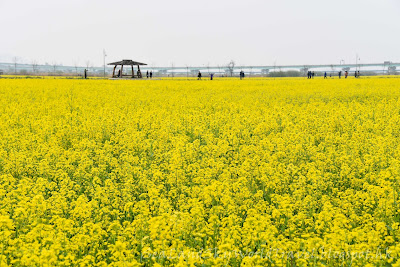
126 62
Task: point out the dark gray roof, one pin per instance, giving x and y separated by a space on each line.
126 62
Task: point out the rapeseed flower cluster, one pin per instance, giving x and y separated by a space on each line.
189 173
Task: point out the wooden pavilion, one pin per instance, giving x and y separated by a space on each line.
127 62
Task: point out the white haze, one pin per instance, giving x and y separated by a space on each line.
197 33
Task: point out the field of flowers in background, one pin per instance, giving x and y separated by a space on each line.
224 172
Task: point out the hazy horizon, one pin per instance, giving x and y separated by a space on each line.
183 33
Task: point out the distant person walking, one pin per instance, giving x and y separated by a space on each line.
211 76
358 74
325 75
355 74
151 74
345 74
85 73
308 74
147 74
199 76
313 74
340 74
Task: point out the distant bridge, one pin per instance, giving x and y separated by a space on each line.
269 68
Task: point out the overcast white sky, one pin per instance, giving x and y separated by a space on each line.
196 33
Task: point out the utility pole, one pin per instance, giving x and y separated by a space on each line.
357 59
104 62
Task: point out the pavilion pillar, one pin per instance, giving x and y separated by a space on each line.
139 72
114 71
133 72
122 67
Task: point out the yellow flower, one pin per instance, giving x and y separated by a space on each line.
218 173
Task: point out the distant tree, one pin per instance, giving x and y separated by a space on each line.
305 70
15 61
87 63
34 66
23 72
231 67
293 73
54 65
153 64
280 72
289 73
76 68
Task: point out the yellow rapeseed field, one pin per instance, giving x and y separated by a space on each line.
258 172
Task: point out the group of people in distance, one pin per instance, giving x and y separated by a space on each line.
346 74
310 75
241 74
139 74
199 76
